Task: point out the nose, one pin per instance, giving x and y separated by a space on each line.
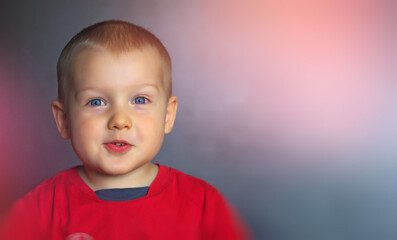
119 121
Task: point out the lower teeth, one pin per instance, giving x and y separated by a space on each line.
119 144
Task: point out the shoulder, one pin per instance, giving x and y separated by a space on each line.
42 195
49 185
189 180
219 218
33 211
191 184
193 189
61 177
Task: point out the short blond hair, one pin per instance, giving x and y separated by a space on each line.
117 37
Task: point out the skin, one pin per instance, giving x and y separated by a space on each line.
116 97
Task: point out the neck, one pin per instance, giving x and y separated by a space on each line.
141 177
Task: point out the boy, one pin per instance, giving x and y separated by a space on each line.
115 104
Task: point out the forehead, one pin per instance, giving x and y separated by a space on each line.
93 67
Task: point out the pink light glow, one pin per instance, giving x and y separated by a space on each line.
16 133
6 121
309 69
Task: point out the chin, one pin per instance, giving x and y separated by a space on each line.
118 170
115 171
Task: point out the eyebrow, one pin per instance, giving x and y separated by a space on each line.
138 86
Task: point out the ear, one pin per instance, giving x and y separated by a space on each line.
60 117
170 114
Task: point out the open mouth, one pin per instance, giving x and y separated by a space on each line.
118 143
118 146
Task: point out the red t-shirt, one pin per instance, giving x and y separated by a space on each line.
177 206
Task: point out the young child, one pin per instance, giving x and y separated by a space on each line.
115 104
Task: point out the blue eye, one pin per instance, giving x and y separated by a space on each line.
140 100
96 102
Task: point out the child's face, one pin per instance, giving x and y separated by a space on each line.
118 110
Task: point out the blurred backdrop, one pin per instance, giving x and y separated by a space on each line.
287 106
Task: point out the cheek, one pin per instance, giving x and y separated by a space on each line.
151 127
85 127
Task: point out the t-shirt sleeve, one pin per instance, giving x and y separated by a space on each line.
222 220
25 218
19 222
